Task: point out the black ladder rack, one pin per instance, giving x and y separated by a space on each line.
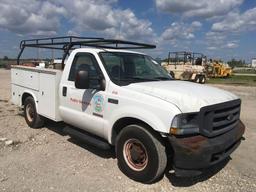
67 43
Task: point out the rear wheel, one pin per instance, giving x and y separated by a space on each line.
32 118
141 156
202 79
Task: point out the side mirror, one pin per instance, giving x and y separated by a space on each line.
82 79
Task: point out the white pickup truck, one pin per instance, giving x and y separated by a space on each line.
109 96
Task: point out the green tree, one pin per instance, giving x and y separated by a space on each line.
236 63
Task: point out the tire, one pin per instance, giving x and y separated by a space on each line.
140 154
202 79
197 79
33 119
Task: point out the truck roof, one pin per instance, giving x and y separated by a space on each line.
97 50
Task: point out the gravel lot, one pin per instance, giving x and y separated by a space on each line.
47 160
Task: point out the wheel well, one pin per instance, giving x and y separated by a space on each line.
24 96
123 122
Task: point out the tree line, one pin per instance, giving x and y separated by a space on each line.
236 63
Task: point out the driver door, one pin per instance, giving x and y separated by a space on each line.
83 108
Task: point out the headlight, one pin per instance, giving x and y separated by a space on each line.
184 124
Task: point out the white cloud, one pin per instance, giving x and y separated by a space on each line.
215 37
88 15
93 16
180 31
236 22
30 16
224 32
102 18
196 24
198 8
72 33
231 45
212 48
218 40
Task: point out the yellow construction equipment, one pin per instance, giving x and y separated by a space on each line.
217 68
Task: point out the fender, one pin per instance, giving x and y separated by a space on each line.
160 123
33 94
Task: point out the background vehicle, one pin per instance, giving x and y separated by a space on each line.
186 66
109 96
216 68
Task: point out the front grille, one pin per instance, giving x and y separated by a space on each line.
219 118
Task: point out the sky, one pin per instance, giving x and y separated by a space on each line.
222 29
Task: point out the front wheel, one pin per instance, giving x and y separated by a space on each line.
33 119
141 156
197 79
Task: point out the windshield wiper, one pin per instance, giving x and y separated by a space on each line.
163 78
141 78
127 81
134 79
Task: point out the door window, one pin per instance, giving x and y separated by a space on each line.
87 62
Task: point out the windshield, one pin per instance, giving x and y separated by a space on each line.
125 68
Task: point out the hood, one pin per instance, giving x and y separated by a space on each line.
187 96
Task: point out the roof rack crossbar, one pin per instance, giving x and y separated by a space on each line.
89 42
55 40
45 47
67 43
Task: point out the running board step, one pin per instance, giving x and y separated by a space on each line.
87 137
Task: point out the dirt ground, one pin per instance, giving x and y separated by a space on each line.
47 160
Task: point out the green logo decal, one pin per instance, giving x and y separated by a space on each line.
98 103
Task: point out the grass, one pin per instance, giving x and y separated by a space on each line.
253 71
1 63
234 80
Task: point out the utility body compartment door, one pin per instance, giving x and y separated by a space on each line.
25 77
42 84
47 95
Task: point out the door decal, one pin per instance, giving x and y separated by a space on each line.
98 102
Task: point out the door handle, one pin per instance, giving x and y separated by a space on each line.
64 91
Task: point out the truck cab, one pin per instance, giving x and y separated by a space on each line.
110 96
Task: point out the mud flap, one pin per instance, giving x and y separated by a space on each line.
193 76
